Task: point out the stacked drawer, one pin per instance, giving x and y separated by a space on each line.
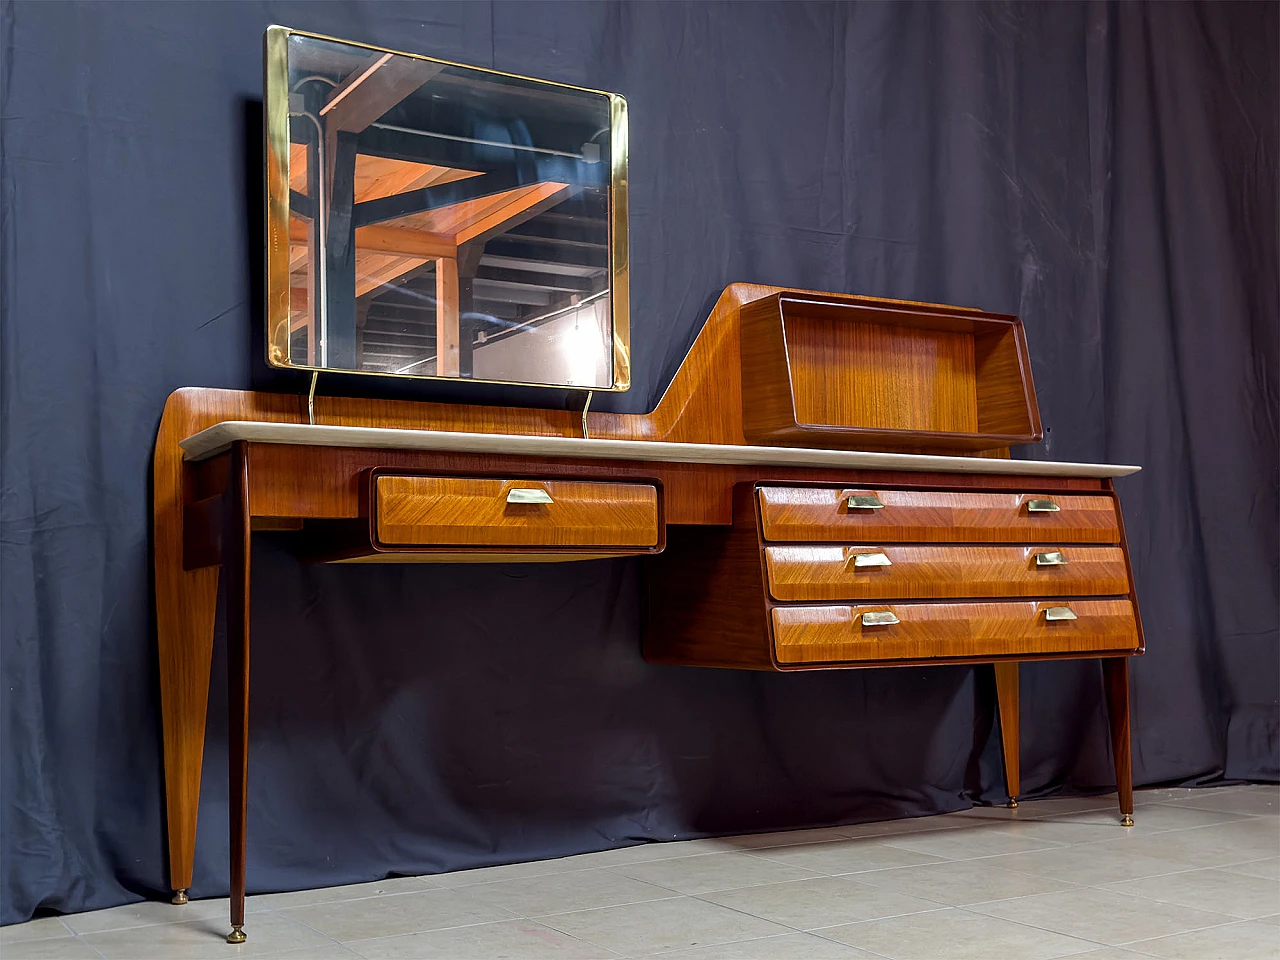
858 575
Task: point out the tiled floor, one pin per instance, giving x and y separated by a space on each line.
1198 877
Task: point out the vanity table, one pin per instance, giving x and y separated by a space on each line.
824 485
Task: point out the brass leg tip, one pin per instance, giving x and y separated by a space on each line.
179 896
1013 804
1126 820
236 935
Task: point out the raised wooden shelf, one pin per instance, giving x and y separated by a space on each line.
824 371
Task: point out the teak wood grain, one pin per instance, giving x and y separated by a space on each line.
917 516
1115 682
429 511
1007 703
929 631
813 572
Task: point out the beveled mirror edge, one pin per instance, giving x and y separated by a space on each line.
619 246
275 114
276 121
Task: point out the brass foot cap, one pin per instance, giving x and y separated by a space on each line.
1013 804
1126 820
179 897
236 935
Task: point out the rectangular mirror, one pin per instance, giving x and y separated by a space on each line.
426 219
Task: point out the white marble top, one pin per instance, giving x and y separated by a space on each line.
217 438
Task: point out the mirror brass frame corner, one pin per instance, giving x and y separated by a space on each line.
276 122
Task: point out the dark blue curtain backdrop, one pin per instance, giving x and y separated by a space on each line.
1105 171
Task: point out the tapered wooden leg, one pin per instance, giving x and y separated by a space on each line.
235 559
186 611
186 608
1007 699
1115 678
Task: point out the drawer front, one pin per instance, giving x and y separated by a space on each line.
438 511
922 516
944 630
870 572
924 631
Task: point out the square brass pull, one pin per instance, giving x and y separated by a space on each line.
1042 506
1056 614
528 495
1053 558
864 501
875 559
879 618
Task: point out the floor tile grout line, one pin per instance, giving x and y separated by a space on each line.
1033 926
1174 903
1155 833
1128 944
302 923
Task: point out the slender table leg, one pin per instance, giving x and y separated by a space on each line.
1115 678
235 559
1007 700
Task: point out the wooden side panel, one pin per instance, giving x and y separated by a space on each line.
918 516
1005 392
813 572
456 510
938 630
706 604
767 408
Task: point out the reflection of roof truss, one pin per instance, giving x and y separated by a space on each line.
426 198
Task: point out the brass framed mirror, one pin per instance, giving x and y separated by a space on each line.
432 220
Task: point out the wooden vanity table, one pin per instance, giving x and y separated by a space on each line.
824 485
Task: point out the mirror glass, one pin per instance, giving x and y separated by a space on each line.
445 221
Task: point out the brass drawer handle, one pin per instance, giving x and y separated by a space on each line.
864 501
879 618
1058 614
876 558
1042 506
1052 558
528 495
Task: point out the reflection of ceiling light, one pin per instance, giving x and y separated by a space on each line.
581 347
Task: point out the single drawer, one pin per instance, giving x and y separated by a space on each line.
457 511
869 572
927 631
924 516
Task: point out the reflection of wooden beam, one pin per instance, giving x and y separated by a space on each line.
433 198
367 94
417 243
408 243
343 90
447 333
521 208
374 270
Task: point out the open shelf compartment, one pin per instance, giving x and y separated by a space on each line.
832 372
